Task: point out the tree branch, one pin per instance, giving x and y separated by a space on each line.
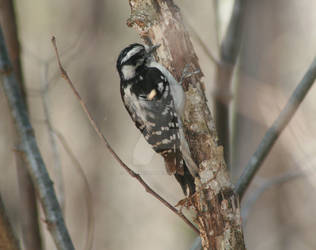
110 149
28 205
217 206
229 51
36 166
231 43
275 130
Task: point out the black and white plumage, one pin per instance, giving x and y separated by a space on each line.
155 102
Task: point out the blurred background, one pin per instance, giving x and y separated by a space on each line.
279 43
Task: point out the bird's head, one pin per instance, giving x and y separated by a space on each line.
132 58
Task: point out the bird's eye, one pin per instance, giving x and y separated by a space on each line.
143 97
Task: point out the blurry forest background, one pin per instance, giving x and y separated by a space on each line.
279 43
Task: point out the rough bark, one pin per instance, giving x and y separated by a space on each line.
216 205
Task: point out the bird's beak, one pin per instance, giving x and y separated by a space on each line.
152 49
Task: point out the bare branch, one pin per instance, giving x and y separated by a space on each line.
36 166
28 205
232 40
108 146
228 55
276 129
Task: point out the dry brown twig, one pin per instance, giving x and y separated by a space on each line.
108 146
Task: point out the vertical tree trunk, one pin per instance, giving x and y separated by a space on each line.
229 51
217 207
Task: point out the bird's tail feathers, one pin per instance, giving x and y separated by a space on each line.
186 180
177 166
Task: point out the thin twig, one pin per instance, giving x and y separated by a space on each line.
88 193
107 145
275 130
36 167
69 53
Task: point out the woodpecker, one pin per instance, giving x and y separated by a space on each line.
155 102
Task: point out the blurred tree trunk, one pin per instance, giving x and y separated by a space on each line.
28 209
217 206
229 51
260 68
8 240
